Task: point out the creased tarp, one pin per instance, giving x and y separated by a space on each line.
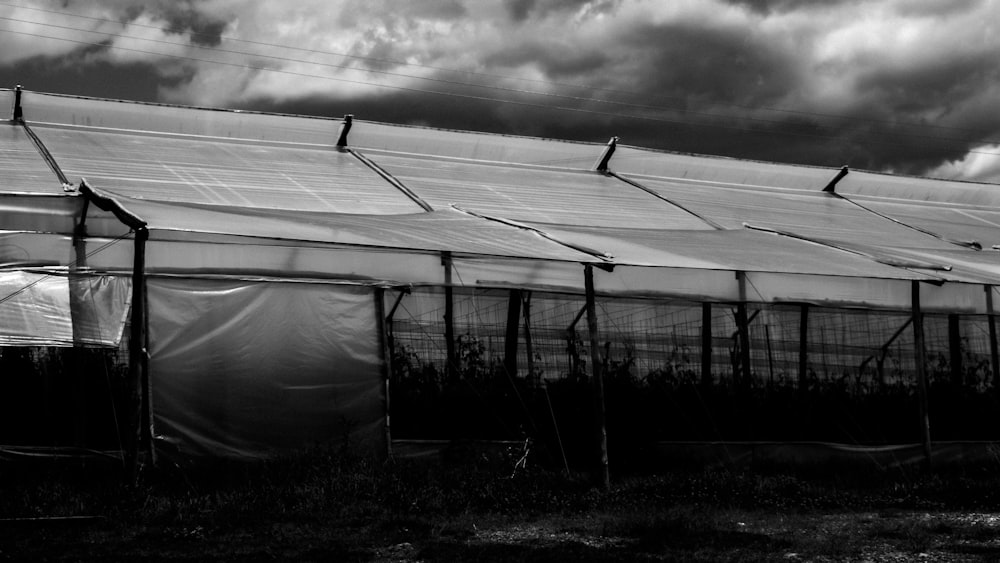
963 223
744 250
41 213
22 167
445 229
815 215
100 308
475 146
251 369
919 189
34 309
137 116
719 170
223 172
545 195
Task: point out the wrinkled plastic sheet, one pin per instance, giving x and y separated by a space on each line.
815 215
6 103
251 369
136 116
744 250
443 230
41 213
39 308
21 165
962 224
919 189
704 169
567 197
475 146
222 172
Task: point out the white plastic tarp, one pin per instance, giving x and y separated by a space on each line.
34 309
250 369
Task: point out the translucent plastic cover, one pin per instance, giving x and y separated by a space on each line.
21 165
248 370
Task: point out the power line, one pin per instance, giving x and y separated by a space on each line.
496 76
476 97
450 82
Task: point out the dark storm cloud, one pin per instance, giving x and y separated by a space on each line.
903 85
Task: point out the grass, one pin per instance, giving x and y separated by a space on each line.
323 506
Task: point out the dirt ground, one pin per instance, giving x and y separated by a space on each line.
681 534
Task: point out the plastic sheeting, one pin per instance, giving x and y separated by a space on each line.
136 116
816 215
34 310
919 189
217 171
476 146
963 223
21 165
50 308
41 213
248 370
543 195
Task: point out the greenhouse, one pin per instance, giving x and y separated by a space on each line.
185 282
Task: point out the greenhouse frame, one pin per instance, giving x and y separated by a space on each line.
186 282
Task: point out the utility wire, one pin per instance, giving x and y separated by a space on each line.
485 74
469 96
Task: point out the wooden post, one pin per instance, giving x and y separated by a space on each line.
743 326
598 379
383 322
451 367
992 323
137 352
955 350
706 344
513 322
918 352
804 348
770 355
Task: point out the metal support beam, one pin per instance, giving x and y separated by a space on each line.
955 350
383 323
18 114
345 128
803 348
513 324
706 344
451 369
134 431
743 327
602 162
831 187
529 348
603 476
994 355
918 356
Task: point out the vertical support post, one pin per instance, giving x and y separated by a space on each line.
451 369
18 114
803 348
513 322
918 352
137 352
529 348
706 344
598 378
743 326
383 333
955 350
992 323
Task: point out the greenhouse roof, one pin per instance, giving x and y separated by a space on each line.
241 193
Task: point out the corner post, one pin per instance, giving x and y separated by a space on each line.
510 340
803 348
137 357
743 327
18 113
992 323
706 344
598 379
918 353
451 368
383 323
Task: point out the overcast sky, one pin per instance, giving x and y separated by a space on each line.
907 86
